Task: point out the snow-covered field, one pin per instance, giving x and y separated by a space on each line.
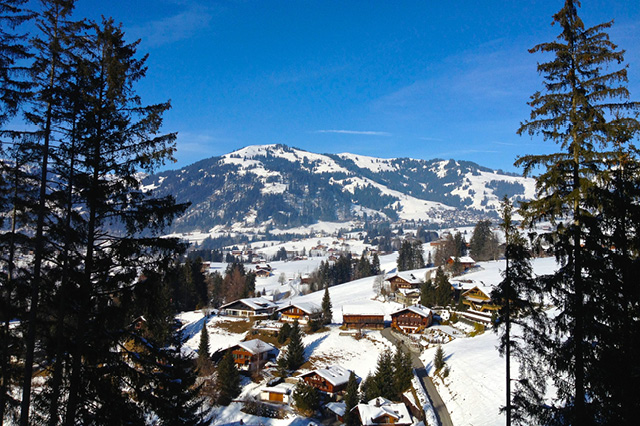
474 390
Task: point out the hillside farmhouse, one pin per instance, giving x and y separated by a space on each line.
412 319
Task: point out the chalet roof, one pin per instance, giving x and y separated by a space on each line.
360 310
253 303
407 276
483 291
256 346
418 309
334 374
282 388
338 408
463 259
379 407
306 307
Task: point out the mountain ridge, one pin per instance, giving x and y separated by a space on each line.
268 186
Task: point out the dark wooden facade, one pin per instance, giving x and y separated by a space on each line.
410 321
292 313
368 321
320 383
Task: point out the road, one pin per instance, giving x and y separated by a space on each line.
421 372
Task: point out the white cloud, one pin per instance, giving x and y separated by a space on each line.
174 28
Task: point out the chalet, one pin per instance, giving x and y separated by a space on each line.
263 273
404 280
412 319
251 307
382 412
304 312
280 393
330 380
478 299
252 354
359 317
408 296
465 261
305 279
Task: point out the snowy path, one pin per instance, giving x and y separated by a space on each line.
434 396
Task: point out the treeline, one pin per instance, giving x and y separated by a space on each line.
82 261
343 270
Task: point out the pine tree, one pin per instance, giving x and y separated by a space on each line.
483 243
327 314
228 380
383 383
513 294
438 359
427 294
403 371
295 348
306 398
443 288
583 109
13 182
203 348
351 399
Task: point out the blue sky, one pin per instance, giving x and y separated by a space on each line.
420 79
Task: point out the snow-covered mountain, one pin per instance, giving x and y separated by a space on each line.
279 186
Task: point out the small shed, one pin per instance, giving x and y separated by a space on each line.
280 393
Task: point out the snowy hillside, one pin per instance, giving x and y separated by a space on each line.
278 187
474 390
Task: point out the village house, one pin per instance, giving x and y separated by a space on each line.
304 312
280 393
403 280
382 412
408 296
358 317
252 355
479 299
247 308
465 261
412 319
331 380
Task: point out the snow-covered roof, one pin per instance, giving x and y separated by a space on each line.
306 307
283 388
463 259
256 346
360 310
334 374
418 309
409 277
254 303
379 407
406 291
338 408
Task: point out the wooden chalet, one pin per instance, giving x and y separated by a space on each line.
247 308
262 273
465 261
337 409
404 280
332 379
253 354
281 393
359 317
304 312
382 412
479 300
412 319
408 296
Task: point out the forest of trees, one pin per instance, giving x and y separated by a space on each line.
89 291
81 252
583 352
